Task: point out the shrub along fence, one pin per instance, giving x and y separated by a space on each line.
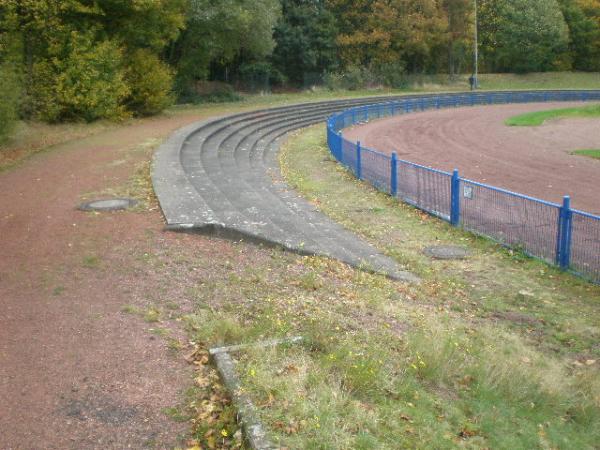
556 233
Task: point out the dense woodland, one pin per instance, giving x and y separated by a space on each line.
89 59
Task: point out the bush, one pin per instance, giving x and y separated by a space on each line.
87 83
209 92
393 75
260 76
150 82
9 104
352 79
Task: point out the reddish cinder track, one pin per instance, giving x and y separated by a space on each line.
535 161
75 371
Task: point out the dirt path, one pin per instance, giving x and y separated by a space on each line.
531 160
75 370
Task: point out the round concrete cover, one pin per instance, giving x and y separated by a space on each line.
447 252
113 204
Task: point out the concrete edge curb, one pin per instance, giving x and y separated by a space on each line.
248 417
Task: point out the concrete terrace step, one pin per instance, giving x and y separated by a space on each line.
221 177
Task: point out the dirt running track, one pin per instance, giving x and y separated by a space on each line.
531 160
75 371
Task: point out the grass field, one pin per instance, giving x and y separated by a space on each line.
548 80
537 118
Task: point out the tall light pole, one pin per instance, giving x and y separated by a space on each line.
476 59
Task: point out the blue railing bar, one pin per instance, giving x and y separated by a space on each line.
515 194
565 233
455 199
585 214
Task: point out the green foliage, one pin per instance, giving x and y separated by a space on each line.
260 76
210 92
83 59
71 55
413 33
9 93
352 79
219 34
10 79
584 31
150 82
305 40
86 83
522 35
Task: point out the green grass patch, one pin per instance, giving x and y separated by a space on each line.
591 153
537 118
545 80
91 262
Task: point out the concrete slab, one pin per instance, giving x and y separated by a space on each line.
221 176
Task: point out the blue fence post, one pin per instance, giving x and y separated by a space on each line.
394 175
358 161
565 228
341 148
455 199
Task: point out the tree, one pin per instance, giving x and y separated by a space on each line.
459 32
85 83
522 35
305 39
10 75
75 53
220 32
584 35
380 33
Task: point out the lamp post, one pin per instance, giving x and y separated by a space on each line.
476 58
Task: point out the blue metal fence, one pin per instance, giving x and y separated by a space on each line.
550 231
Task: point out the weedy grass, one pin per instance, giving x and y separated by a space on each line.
138 186
537 118
91 262
497 351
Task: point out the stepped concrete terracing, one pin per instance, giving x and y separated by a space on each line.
222 177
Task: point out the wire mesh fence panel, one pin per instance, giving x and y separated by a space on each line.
585 245
518 221
512 219
348 154
424 188
376 169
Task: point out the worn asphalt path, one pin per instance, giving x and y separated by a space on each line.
222 177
